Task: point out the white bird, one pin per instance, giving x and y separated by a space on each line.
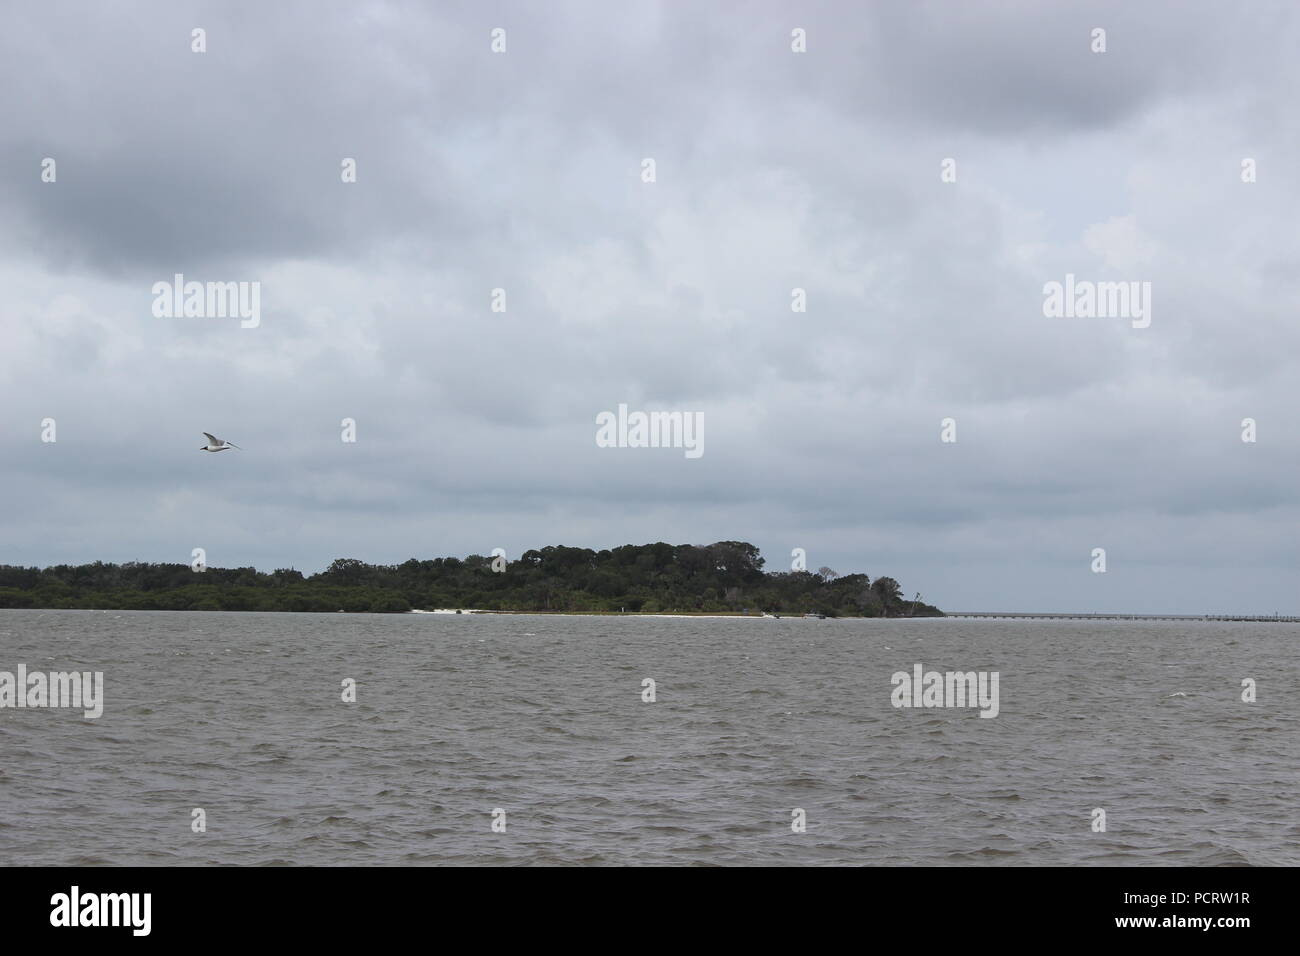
216 444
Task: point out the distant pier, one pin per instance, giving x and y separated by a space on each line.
1275 618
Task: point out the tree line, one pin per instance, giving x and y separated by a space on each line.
726 576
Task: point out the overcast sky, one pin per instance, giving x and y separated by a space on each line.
774 170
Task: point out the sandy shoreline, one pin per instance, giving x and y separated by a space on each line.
679 614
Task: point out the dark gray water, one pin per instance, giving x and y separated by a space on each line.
241 715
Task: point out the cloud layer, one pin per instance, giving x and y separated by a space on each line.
774 171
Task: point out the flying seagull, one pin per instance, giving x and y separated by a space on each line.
216 444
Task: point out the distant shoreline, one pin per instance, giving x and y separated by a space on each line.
728 615
723 579
751 615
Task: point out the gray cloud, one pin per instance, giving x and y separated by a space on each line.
775 171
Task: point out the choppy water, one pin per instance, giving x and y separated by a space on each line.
240 714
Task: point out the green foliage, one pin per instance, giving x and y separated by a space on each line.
726 576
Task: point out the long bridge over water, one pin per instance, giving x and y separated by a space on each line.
1102 616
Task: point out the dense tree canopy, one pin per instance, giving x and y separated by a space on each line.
724 576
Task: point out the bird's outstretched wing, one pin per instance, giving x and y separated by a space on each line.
212 440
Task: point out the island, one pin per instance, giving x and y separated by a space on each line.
725 577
